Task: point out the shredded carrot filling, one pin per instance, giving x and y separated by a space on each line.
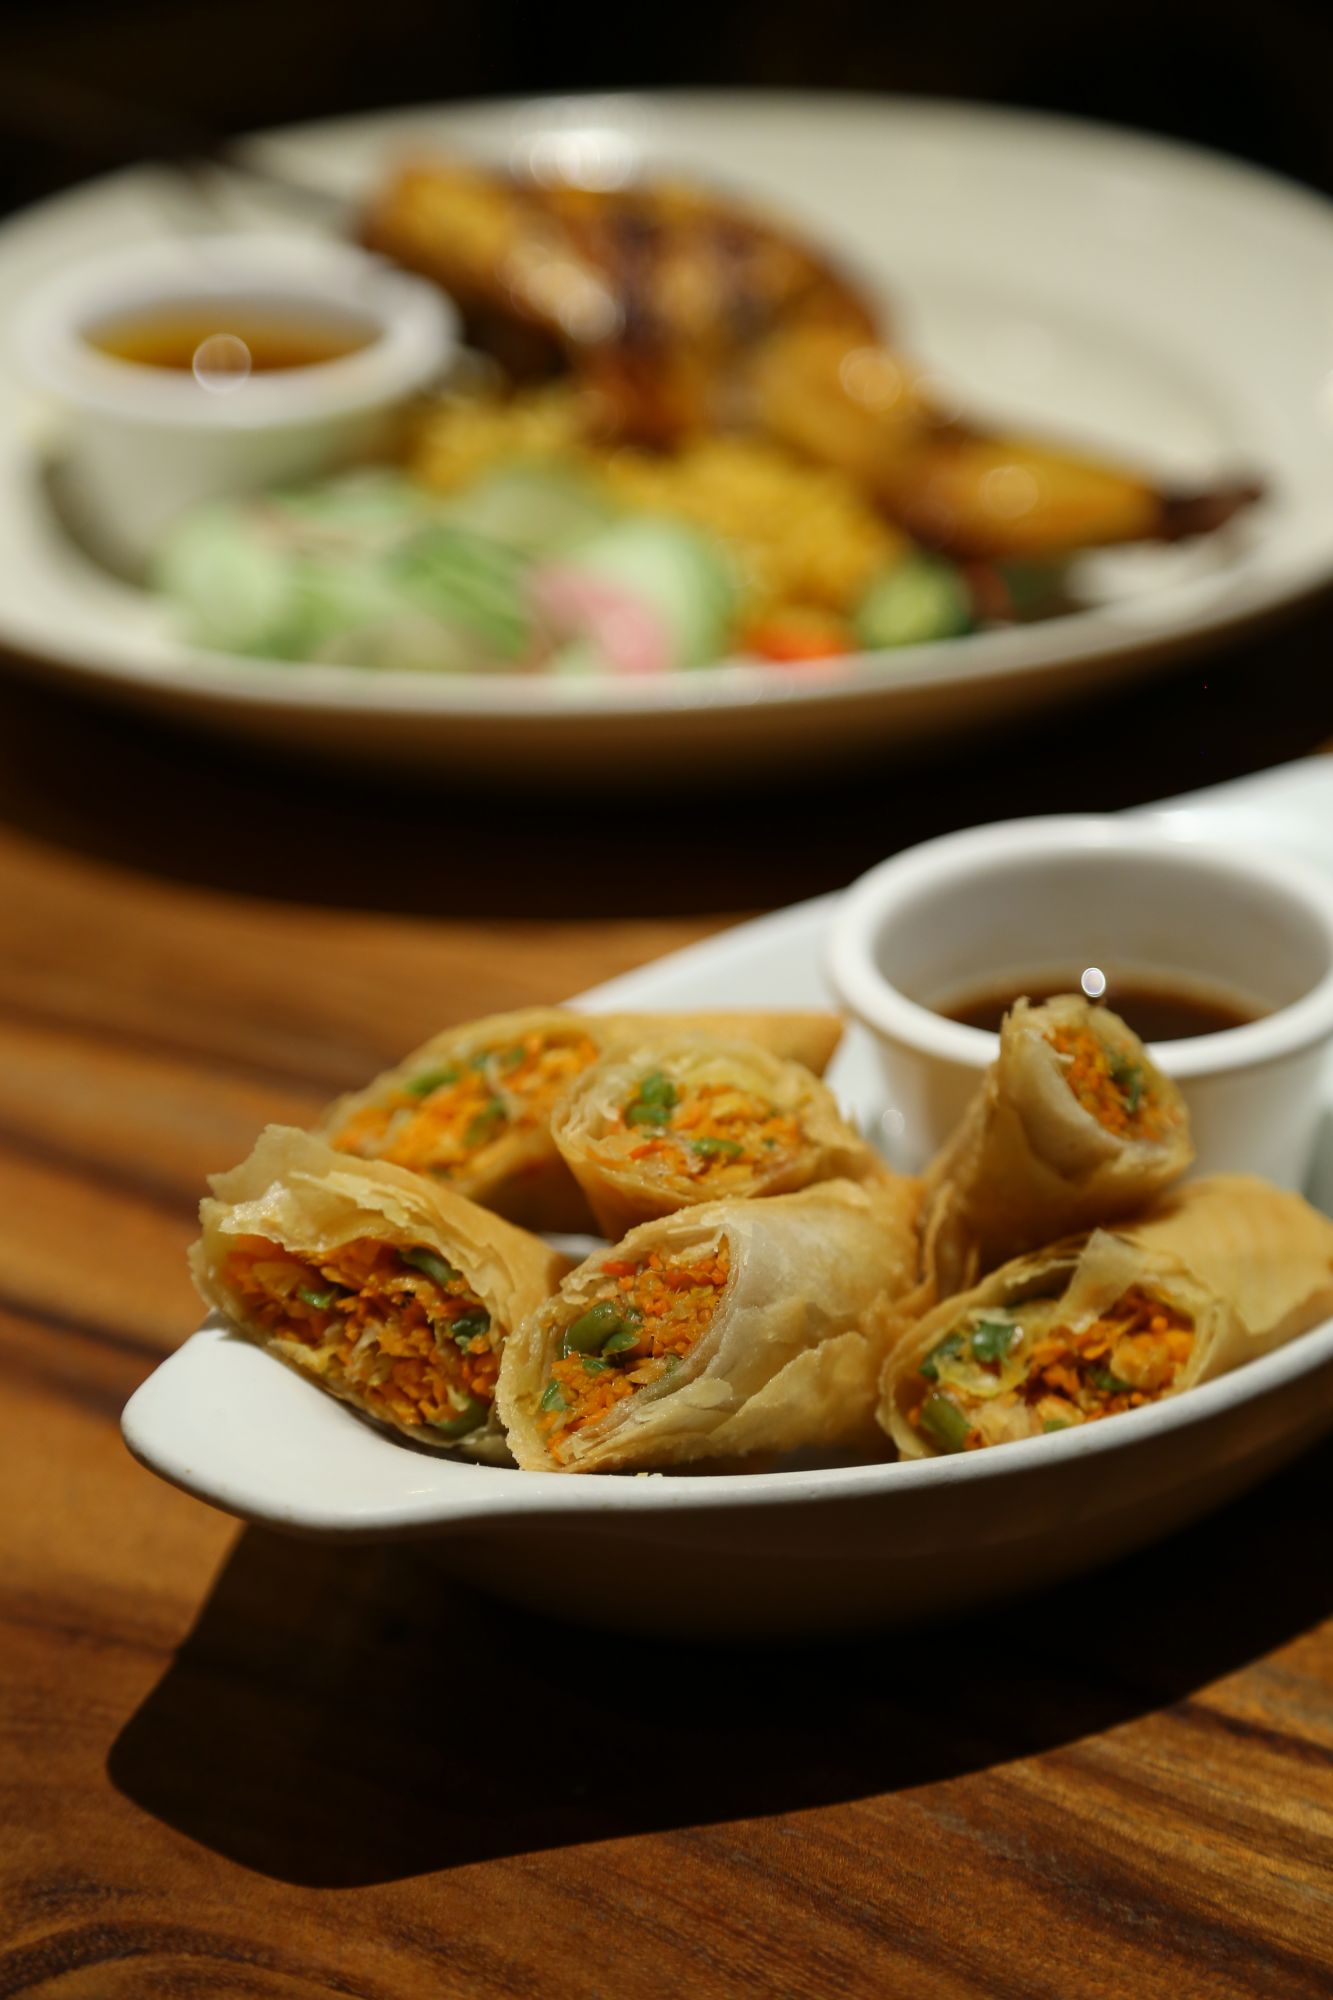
716 1136
416 1345
993 1380
445 1120
639 1325
1118 1093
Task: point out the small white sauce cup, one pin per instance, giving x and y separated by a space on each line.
1027 897
141 444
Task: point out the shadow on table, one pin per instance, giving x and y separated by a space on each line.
144 795
342 1716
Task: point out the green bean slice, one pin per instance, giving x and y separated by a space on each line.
945 1422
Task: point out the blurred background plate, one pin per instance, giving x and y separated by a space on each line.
1132 294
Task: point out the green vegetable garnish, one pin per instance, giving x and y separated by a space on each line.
620 1342
655 1101
466 1329
1128 1077
511 1058
591 1331
992 1339
484 1125
430 1081
594 1365
321 1301
1112 1384
945 1422
716 1149
468 1419
943 1350
553 1399
1055 1424
432 1264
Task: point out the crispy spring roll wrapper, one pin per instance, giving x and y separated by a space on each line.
427 1326
1219 1272
1074 1125
472 1107
662 1124
725 1329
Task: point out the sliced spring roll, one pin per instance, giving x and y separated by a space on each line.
391 1293
724 1329
661 1124
472 1106
1074 1125
1219 1272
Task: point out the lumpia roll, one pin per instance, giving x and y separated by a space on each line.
472 1107
388 1292
1074 1125
724 1329
661 1124
1219 1272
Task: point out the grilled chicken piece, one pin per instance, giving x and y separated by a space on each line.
655 295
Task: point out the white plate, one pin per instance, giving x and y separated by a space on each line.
1096 285
780 1552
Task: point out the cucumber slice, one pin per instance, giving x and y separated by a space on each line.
233 589
538 510
922 598
464 580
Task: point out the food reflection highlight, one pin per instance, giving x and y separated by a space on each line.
768 1286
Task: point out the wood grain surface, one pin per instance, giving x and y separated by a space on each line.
235 1765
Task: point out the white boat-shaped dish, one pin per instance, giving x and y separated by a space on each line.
1157 304
800 1550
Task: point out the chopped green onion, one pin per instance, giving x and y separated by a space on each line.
431 1263
1055 1424
589 1333
715 1149
321 1301
1112 1384
945 1422
483 1126
655 1101
553 1399
1128 1077
993 1338
620 1342
943 1350
594 1365
430 1081
511 1058
468 1419
466 1329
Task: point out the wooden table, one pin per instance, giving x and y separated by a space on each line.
240 1766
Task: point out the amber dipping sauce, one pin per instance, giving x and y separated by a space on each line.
1164 1010
188 335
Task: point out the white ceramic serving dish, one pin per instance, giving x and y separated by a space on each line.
1113 289
1011 902
137 446
785 1552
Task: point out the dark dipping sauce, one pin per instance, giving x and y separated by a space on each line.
1157 1010
277 336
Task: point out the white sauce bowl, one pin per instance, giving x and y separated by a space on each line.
141 444
1007 901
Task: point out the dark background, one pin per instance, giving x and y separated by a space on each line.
85 85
